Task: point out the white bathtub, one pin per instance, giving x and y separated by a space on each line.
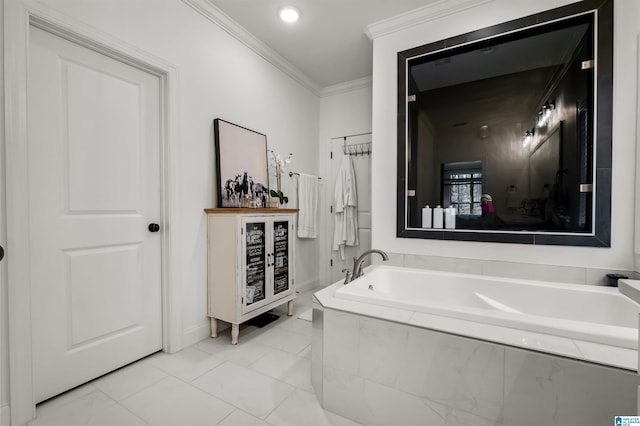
588 313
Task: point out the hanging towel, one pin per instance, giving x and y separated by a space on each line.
345 219
308 206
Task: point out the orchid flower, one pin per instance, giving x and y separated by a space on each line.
278 165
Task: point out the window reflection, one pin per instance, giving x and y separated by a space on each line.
462 187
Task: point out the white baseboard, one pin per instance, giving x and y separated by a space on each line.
194 334
5 415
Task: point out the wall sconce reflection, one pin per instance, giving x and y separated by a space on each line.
545 113
528 137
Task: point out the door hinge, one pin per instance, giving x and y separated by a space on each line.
331 262
330 209
331 155
586 187
241 231
586 65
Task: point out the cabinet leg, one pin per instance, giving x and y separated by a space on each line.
235 331
214 327
290 307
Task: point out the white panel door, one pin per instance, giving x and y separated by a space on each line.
362 168
94 188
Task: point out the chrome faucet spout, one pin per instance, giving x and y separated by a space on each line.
357 263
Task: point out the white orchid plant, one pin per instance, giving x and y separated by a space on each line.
278 164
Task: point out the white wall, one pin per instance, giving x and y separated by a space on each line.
218 77
344 110
620 255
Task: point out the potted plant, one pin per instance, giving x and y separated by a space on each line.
282 199
278 165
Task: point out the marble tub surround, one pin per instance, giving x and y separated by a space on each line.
381 365
552 273
578 349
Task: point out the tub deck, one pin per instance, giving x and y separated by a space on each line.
592 324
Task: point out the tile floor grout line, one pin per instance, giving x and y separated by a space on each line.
279 378
222 361
113 403
145 360
261 357
240 408
206 372
134 414
294 389
217 397
245 412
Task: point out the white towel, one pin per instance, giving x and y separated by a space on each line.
308 205
345 219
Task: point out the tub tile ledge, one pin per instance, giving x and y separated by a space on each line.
630 288
563 346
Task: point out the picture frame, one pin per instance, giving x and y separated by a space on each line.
241 165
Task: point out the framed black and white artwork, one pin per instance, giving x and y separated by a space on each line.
241 160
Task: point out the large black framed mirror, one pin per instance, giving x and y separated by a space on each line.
510 127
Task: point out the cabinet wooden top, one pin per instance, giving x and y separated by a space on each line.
236 210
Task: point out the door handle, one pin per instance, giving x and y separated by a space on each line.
1 253
154 227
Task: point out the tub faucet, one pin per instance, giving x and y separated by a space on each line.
357 264
347 277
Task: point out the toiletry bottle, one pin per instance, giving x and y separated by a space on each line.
450 218
437 217
426 216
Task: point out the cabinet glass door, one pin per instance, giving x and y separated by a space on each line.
281 256
256 266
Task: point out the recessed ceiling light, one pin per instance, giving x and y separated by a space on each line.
289 14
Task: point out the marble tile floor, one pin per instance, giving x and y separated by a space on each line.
264 380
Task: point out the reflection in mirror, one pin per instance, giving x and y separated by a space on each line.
501 128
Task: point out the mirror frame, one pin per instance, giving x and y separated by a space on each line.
602 137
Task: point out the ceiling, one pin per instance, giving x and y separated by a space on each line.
328 44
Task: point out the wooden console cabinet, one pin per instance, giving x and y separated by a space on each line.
251 262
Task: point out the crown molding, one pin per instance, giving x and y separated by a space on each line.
360 83
421 15
218 17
